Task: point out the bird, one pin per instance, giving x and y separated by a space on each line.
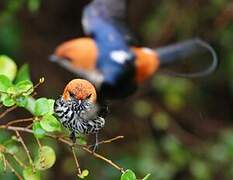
77 110
110 59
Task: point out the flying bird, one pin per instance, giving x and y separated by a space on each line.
110 60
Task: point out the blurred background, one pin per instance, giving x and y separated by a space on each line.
174 128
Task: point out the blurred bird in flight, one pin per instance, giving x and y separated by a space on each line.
108 57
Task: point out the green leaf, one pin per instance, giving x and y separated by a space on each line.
142 108
2 159
7 67
128 175
12 90
81 141
23 74
33 5
8 101
50 123
11 146
146 177
29 174
161 120
45 159
31 103
38 131
25 87
84 174
5 83
50 106
41 107
22 101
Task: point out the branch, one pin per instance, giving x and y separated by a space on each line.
76 161
108 140
71 144
19 121
25 147
13 170
104 159
17 160
7 111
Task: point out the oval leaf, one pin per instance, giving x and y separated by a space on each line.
25 87
128 175
45 159
41 107
50 123
31 103
8 101
23 74
7 67
5 83
38 131
84 174
11 146
28 174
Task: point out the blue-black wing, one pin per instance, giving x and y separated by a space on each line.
110 11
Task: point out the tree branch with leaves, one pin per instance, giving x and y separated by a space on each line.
16 90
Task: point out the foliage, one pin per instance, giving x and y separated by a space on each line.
17 92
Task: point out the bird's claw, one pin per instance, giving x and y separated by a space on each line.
95 146
73 137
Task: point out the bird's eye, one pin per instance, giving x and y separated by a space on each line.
71 94
88 97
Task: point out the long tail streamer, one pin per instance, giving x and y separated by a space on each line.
172 54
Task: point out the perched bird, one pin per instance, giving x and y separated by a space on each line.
110 60
77 109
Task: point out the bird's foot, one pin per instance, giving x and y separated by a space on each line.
94 146
73 137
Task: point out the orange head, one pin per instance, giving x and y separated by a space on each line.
147 62
80 89
81 52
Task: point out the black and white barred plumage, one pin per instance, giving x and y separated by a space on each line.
79 116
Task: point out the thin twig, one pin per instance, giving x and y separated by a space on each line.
19 121
14 171
38 142
108 140
104 159
17 160
25 147
7 111
76 161
4 163
67 142
29 126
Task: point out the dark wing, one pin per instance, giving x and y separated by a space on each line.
112 11
94 77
